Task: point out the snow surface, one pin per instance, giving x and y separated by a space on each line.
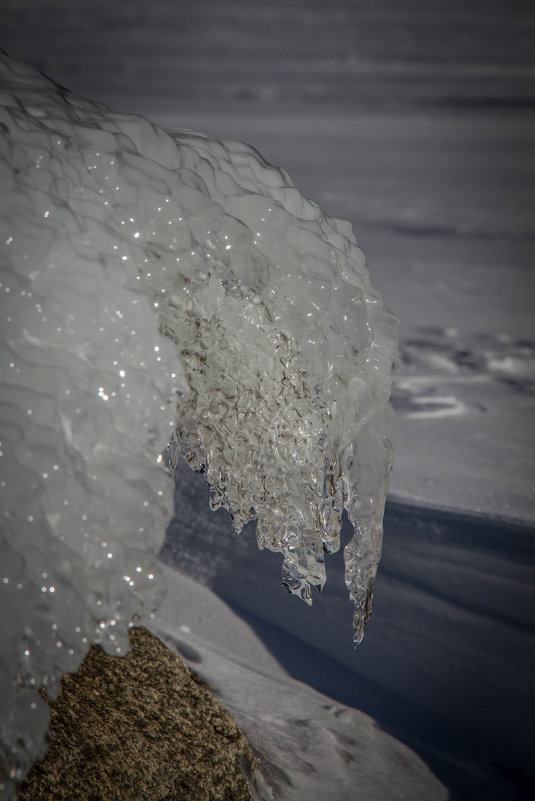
447 662
308 745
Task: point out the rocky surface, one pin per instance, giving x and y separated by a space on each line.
139 726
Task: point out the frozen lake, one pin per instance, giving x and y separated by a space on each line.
416 122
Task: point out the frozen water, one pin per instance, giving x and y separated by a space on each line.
87 403
287 353
163 289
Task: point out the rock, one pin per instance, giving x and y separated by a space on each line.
142 726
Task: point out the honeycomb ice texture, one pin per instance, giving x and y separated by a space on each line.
164 293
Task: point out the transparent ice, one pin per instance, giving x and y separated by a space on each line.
164 293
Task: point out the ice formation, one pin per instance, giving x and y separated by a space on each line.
166 293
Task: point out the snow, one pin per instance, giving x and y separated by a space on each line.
308 745
447 661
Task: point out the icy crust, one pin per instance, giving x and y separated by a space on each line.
287 352
87 397
270 372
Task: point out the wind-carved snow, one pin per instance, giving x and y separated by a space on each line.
168 290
